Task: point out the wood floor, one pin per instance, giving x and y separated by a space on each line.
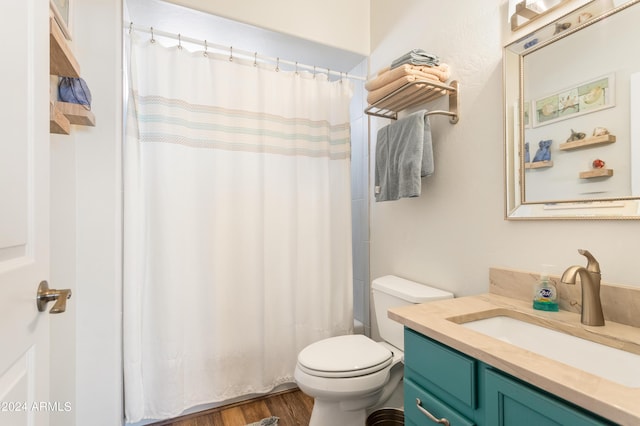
292 407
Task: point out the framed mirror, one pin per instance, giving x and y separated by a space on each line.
572 116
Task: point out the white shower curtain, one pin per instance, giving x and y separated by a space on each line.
237 226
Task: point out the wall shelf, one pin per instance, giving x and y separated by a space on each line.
538 165
58 123
587 142
61 59
77 114
416 93
596 173
62 63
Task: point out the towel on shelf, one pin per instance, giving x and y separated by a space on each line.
416 57
442 71
375 95
404 154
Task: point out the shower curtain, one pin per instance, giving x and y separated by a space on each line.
237 248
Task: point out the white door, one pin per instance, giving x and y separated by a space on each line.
24 211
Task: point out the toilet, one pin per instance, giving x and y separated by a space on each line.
347 375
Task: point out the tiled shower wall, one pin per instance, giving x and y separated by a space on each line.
359 199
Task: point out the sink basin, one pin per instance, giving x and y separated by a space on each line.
613 364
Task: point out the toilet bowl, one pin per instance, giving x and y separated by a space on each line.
346 375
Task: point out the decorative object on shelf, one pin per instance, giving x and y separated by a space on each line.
543 153
598 163
560 27
584 17
576 136
74 90
600 131
527 156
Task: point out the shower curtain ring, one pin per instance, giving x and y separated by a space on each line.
296 67
205 49
314 71
231 54
277 64
153 40
179 41
130 27
255 59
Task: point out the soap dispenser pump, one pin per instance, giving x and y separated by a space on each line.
545 297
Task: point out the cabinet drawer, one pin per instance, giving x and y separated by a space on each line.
440 369
414 415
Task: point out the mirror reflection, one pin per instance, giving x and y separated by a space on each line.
571 90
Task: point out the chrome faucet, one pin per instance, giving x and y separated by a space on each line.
590 279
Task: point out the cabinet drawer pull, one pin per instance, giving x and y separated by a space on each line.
431 417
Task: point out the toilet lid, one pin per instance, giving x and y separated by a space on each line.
344 356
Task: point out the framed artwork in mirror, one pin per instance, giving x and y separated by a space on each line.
61 11
580 99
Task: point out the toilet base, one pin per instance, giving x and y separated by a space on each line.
330 413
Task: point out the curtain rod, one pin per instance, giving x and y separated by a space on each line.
236 52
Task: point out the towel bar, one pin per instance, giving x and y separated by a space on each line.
417 93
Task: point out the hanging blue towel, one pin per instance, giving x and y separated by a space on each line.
404 154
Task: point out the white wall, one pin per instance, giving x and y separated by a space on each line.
455 231
86 231
337 23
99 217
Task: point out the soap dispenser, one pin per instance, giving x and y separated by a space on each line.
545 297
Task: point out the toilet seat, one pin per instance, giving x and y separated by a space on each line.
344 356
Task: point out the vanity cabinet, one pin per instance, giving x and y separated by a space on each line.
451 385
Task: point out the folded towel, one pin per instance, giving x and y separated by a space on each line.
388 75
404 154
443 71
376 95
416 57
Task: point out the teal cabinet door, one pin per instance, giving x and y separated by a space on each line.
510 403
444 372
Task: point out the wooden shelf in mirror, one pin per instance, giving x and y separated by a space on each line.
63 114
58 123
587 142
596 173
61 59
538 165
76 114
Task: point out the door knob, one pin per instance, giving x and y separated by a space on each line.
46 295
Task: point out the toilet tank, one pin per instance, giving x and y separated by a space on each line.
391 291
